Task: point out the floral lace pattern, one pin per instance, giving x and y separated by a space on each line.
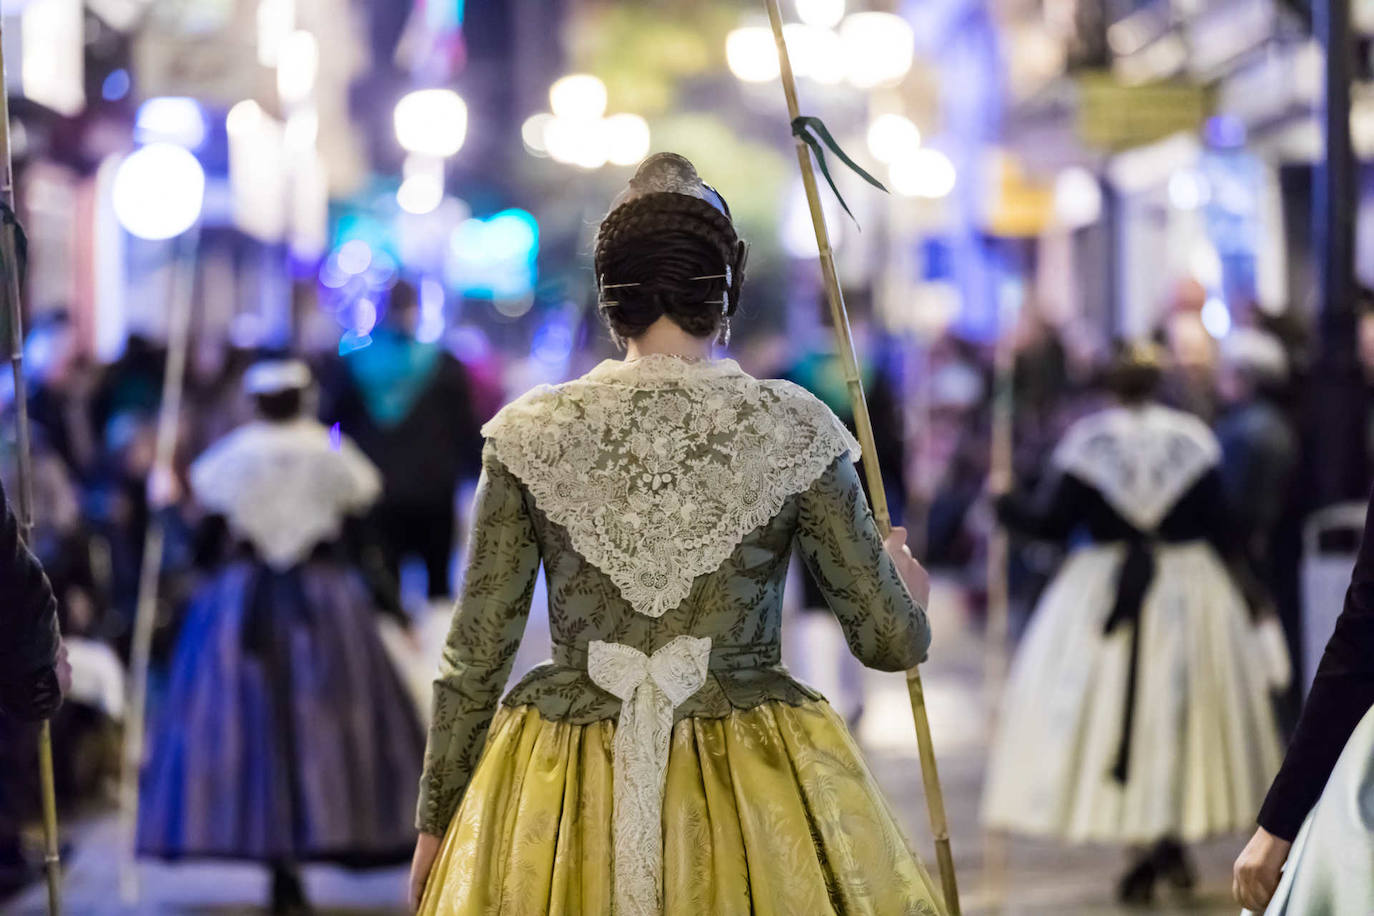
649 687
1141 459
658 467
285 487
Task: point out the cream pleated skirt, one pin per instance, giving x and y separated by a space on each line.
1204 745
768 811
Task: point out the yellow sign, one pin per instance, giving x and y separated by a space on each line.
1019 206
1113 116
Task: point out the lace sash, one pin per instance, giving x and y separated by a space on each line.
650 688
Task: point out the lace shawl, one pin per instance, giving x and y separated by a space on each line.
658 467
1141 459
284 487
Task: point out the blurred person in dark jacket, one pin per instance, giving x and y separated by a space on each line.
408 404
34 675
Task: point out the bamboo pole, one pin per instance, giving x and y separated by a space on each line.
145 614
935 801
9 259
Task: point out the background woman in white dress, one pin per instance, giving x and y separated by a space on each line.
1134 713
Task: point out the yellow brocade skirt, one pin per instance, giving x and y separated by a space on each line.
768 811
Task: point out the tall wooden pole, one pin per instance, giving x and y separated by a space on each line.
13 292
935 800
145 614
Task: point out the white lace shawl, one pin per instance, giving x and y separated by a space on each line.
285 487
1141 459
658 467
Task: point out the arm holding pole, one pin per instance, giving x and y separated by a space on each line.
939 822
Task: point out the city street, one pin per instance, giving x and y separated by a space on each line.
1041 878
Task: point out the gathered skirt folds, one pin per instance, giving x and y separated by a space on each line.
1330 869
285 733
1203 744
769 811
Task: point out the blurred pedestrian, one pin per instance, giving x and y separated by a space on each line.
286 736
408 405
34 675
1135 691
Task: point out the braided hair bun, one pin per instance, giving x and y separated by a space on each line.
666 248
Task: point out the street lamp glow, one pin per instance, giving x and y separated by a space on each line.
276 19
579 96
173 119
815 53
627 138
422 185
298 62
892 137
927 173
532 132
1077 198
420 193
431 122
576 142
243 118
752 54
878 48
158 191
824 14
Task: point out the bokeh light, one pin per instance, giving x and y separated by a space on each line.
927 173
432 122
158 191
627 139
170 119
297 67
532 133
752 54
580 96
878 48
577 142
825 14
1077 198
892 137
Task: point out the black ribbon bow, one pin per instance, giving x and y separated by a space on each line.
813 132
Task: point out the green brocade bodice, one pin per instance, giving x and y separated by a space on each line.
737 604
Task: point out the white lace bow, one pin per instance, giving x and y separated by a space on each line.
650 688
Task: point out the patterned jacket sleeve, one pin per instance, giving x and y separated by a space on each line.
840 544
503 560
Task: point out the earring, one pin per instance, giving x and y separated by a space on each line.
723 337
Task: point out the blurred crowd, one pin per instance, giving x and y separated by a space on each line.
415 409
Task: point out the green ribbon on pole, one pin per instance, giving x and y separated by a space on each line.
813 132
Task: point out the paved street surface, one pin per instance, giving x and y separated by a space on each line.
1041 878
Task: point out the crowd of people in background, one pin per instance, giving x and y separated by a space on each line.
415 410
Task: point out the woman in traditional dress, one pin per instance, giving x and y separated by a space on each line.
286 736
1136 711
1325 835
664 762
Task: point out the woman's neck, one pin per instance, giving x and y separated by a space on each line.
666 338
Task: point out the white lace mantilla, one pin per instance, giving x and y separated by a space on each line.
658 467
1141 459
649 688
285 487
